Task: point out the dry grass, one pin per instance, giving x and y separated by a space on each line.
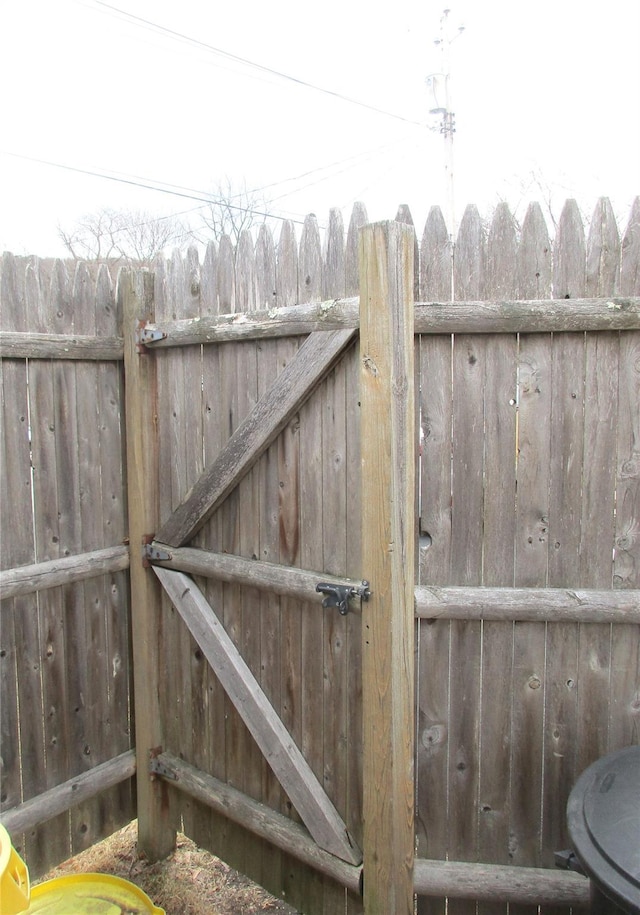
189 882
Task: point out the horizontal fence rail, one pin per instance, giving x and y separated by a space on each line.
429 318
64 571
60 346
63 797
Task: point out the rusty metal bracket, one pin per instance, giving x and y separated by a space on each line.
152 553
145 335
339 595
158 768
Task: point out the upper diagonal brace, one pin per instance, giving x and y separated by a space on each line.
270 415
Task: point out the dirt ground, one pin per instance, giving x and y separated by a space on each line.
190 882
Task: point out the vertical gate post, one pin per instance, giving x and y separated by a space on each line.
156 836
388 543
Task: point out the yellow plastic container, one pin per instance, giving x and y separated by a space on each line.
14 878
90 894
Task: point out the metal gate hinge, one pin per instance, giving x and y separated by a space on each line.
149 335
145 335
339 595
157 767
153 553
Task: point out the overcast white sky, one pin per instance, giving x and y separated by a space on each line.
550 87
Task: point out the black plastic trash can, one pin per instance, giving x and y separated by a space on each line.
603 816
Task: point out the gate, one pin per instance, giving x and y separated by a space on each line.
246 496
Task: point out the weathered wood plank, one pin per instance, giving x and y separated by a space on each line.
499 515
468 368
598 509
75 791
333 275
333 399
19 664
255 434
432 602
49 308
434 635
155 832
351 264
84 347
287 447
627 544
167 464
276 829
66 570
603 252
435 259
533 272
563 535
310 262
211 831
185 378
469 257
470 358
531 561
112 623
630 260
624 725
498 883
430 317
226 276
283 756
558 316
245 763
388 536
265 260
528 604
404 216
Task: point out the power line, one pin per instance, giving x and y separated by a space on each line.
147 23
358 158
147 184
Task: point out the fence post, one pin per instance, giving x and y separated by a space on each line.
156 835
388 542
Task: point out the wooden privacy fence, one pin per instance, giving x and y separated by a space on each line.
271 449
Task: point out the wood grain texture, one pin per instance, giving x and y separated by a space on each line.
388 452
256 433
156 834
63 797
84 347
283 756
276 829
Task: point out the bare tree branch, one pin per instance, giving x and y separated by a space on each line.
115 236
232 210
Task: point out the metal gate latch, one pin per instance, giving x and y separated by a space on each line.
339 595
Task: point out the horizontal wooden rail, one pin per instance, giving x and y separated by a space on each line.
64 571
27 345
553 315
284 580
259 819
61 798
274 322
508 604
488 882
498 883
528 604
